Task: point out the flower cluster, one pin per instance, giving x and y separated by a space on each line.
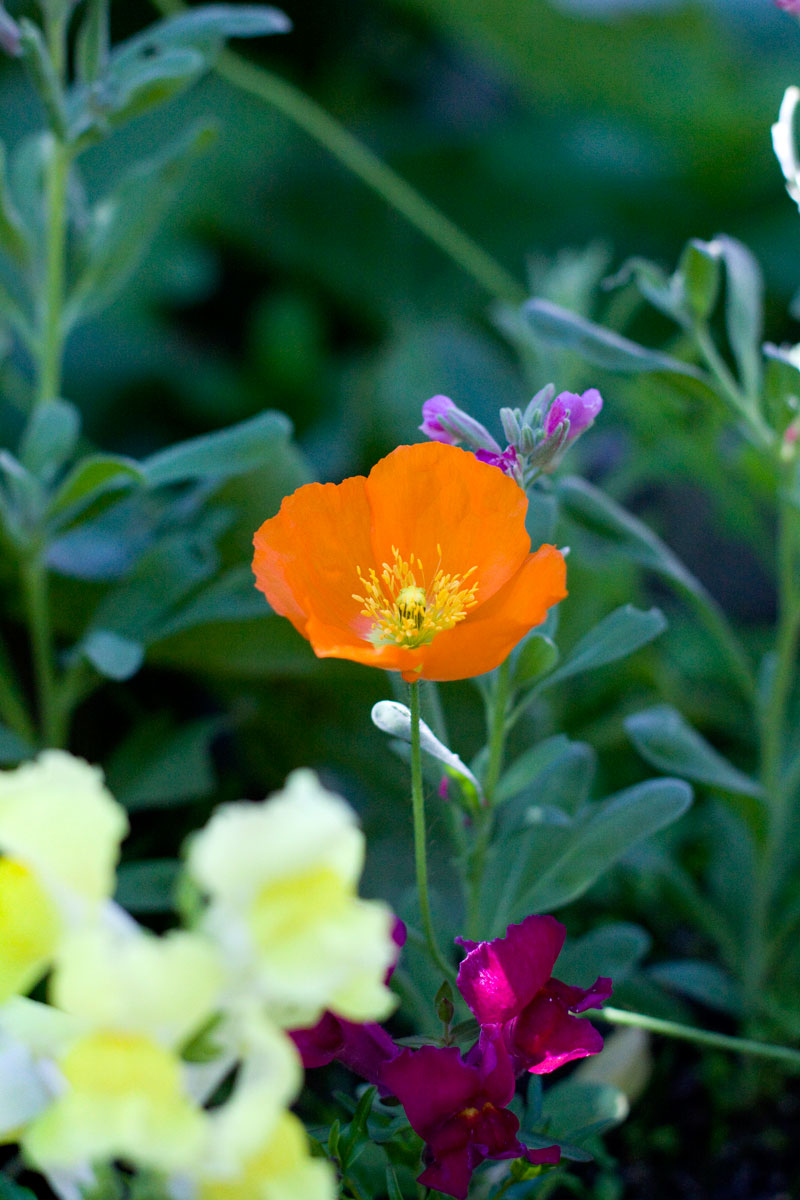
458 1104
536 438
140 1031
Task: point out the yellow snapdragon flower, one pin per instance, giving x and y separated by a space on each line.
60 832
124 1089
281 879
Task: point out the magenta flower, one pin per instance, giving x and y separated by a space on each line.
431 410
507 983
459 1108
507 461
790 6
580 410
364 1049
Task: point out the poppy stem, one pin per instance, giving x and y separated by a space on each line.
420 847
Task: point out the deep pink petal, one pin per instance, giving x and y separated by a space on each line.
431 1084
450 1174
498 978
546 1037
582 999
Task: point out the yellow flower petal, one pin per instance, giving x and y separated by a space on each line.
30 927
282 1169
124 1099
58 818
131 980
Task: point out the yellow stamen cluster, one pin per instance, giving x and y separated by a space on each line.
409 613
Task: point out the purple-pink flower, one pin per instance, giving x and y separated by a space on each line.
364 1049
431 410
507 461
459 1107
790 6
581 411
508 983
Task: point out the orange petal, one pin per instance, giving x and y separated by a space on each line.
491 631
432 494
306 556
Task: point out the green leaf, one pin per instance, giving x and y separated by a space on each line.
158 766
536 656
610 524
619 634
555 773
91 41
96 476
205 27
393 1189
601 837
13 235
744 309
699 269
667 741
123 225
137 88
614 950
269 648
600 346
356 1131
147 886
166 574
232 451
664 292
701 981
43 74
231 597
112 655
50 438
576 1110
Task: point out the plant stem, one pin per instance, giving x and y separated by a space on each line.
420 849
12 707
760 432
497 729
51 330
34 584
368 167
497 721
773 723
688 1033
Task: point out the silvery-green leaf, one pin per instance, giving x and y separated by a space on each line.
50 438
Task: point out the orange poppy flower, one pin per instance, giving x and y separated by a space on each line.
424 566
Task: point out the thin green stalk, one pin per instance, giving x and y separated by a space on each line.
761 433
497 729
12 707
420 847
368 167
497 721
773 728
34 585
688 1033
51 323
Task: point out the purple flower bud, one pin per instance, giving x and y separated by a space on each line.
430 426
580 410
507 461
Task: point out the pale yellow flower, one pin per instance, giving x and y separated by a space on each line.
281 879
123 1088
60 831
